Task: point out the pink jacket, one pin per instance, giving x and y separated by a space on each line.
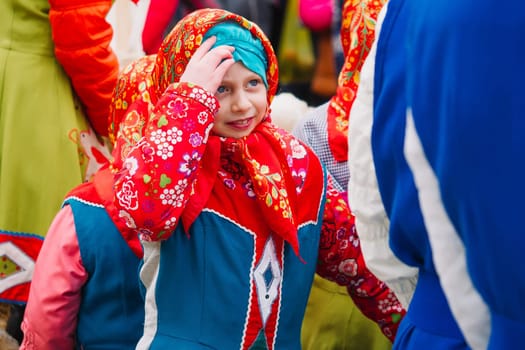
61 264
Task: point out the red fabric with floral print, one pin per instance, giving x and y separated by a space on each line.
357 36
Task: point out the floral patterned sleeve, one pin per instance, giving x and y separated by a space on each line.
159 171
340 260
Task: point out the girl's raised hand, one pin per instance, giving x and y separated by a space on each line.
207 66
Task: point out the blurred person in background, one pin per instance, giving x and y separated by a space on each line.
92 264
58 73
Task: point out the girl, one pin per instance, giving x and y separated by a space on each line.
234 214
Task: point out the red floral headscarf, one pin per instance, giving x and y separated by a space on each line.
266 147
178 47
149 76
357 36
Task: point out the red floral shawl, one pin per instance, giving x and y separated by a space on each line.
357 36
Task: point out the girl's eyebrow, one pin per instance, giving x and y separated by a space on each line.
246 78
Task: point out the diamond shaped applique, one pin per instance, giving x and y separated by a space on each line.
16 267
268 277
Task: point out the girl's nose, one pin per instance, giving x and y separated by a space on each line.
241 101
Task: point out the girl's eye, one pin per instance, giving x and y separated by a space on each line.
254 82
221 89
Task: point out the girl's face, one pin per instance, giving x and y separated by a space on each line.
243 104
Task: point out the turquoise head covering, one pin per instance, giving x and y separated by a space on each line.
248 49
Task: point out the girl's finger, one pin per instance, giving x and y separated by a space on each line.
223 67
204 48
219 54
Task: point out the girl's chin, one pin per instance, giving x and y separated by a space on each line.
238 134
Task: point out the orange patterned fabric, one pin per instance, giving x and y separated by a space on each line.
134 82
86 56
357 36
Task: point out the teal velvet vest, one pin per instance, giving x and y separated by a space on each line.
111 313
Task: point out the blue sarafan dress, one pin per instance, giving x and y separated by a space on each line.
465 126
442 92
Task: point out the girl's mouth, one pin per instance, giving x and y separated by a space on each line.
241 124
